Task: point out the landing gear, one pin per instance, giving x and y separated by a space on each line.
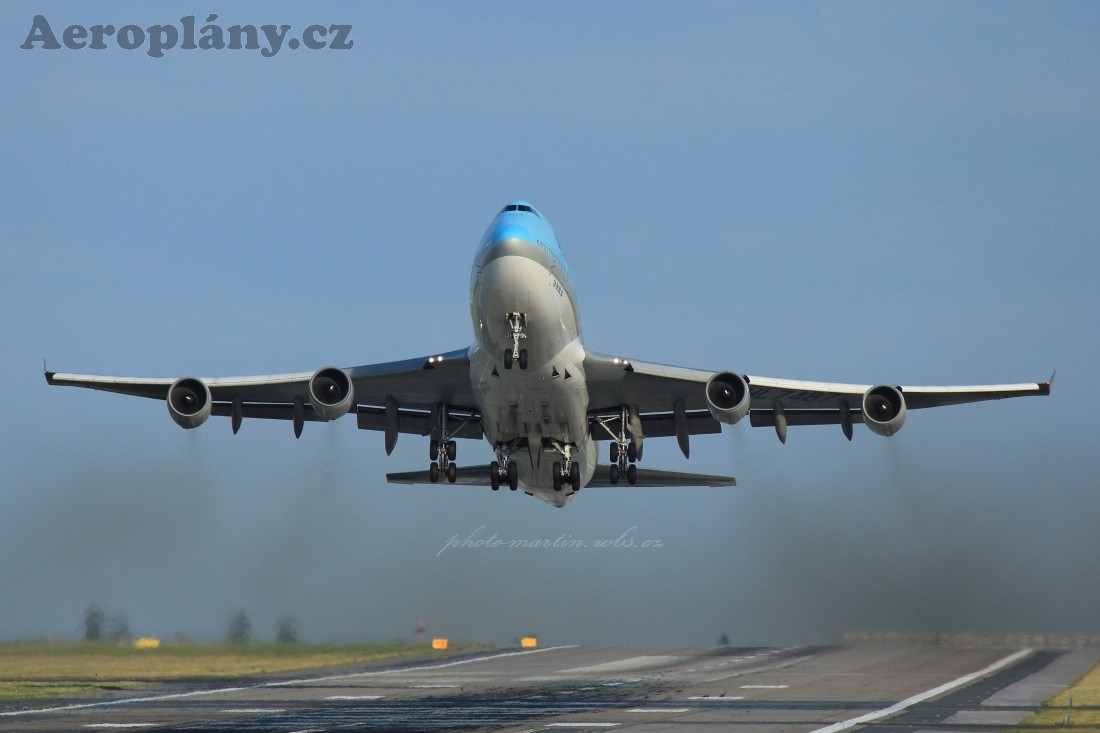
517 322
504 468
443 449
625 452
568 472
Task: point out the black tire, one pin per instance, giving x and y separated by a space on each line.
452 450
452 473
575 477
632 474
433 472
433 449
614 474
556 472
614 452
523 358
507 358
513 476
632 452
494 475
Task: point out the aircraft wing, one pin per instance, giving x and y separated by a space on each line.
647 478
653 391
409 388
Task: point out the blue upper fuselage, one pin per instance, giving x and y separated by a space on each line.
519 222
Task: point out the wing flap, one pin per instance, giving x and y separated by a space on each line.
419 422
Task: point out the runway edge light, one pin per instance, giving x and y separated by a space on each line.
528 642
439 644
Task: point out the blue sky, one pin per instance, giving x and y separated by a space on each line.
863 192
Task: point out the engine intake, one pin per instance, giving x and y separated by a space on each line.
883 409
189 402
331 393
728 397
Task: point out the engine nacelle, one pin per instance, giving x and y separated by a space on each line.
331 393
728 397
189 402
883 409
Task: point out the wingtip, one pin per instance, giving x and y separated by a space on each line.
1046 386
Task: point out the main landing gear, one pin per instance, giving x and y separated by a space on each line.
504 468
624 452
517 322
568 472
442 448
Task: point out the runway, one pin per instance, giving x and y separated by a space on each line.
873 687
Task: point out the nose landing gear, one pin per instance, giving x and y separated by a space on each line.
517 322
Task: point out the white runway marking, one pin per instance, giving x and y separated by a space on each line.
288 683
436 687
355 697
729 698
926 695
764 687
254 711
658 710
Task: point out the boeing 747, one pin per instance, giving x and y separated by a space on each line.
529 387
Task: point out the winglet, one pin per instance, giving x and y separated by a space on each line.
1044 387
48 374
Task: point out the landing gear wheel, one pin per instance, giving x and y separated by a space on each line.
513 476
452 473
614 475
494 475
507 358
433 472
575 477
632 452
452 450
556 471
632 474
433 449
523 358
614 452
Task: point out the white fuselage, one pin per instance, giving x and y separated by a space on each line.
548 401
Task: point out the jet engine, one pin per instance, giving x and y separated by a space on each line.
728 397
883 409
331 393
189 402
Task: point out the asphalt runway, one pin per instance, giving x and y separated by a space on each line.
872 686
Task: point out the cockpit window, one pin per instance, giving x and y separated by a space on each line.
519 207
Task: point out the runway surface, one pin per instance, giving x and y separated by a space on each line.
876 687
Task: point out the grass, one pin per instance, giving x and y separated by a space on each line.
42 670
1085 711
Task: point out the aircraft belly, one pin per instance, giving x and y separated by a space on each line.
547 401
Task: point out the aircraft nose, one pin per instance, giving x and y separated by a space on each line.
504 232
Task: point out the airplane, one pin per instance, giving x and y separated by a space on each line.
541 399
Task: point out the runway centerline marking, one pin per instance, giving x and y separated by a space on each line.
658 710
926 695
265 685
764 687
